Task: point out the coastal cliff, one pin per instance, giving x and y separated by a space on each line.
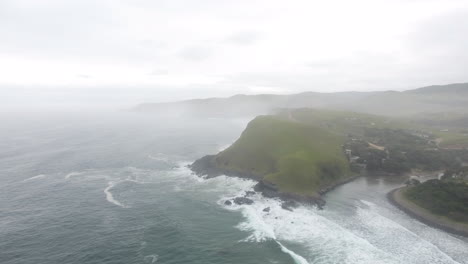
290 160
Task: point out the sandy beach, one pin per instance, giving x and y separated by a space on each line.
397 198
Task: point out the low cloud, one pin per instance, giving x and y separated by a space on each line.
84 76
196 53
229 46
243 38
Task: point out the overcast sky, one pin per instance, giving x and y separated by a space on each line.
125 52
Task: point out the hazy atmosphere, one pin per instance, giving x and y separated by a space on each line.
233 132
119 53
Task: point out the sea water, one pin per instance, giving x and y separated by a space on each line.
115 188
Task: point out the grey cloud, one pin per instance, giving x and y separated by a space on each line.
196 53
69 30
319 64
159 72
151 43
157 38
243 38
440 44
84 76
446 32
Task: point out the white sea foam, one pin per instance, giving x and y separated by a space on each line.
72 174
262 231
223 147
233 187
303 226
297 258
134 179
321 235
396 239
324 240
151 259
109 197
159 157
40 176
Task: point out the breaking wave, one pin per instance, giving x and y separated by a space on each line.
315 236
40 176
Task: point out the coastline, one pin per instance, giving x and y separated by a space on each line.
205 167
338 184
397 199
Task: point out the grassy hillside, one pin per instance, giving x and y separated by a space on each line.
297 158
305 151
342 122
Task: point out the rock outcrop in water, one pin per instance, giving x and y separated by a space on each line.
243 200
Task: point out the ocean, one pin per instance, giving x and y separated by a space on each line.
115 188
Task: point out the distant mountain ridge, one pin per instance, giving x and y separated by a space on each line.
430 99
449 88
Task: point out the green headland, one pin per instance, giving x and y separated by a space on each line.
306 152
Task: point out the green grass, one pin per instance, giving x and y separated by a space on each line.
450 138
344 122
296 157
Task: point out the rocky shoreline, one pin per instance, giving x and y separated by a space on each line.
205 167
397 199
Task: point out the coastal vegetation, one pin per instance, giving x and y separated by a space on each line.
442 197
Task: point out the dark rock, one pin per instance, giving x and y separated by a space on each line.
249 193
209 166
268 190
332 187
242 200
206 166
227 202
289 205
266 209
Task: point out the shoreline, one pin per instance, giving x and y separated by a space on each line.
338 184
396 198
269 190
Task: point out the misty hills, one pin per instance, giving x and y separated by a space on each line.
431 99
